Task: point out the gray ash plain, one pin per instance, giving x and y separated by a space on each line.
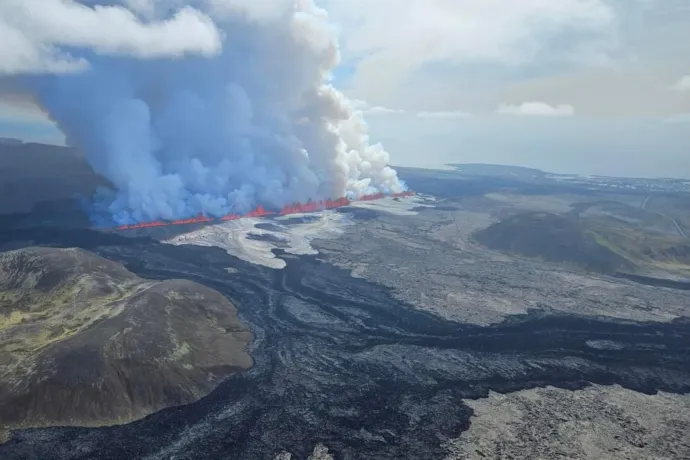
341 361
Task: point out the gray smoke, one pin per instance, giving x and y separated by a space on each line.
213 106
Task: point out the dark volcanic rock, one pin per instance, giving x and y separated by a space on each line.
340 362
359 213
85 342
301 219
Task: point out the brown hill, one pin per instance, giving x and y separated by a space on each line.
85 342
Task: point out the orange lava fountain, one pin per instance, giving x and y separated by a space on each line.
295 208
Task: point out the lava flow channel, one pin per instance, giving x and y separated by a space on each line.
295 208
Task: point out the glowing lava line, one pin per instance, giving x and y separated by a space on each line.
295 208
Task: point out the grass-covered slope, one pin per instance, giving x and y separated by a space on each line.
85 342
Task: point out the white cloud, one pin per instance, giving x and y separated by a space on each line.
428 30
537 109
614 57
259 10
378 110
33 34
145 7
365 107
683 84
359 104
444 114
391 39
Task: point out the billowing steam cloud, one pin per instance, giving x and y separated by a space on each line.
211 107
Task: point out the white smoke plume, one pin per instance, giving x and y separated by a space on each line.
210 106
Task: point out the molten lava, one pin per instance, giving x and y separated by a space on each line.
311 206
259 212
375 196
295 208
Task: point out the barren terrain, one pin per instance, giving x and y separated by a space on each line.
431 260
387 331
598 422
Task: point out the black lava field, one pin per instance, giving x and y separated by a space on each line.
338 360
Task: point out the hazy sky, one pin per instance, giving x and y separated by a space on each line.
584 86
588 86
